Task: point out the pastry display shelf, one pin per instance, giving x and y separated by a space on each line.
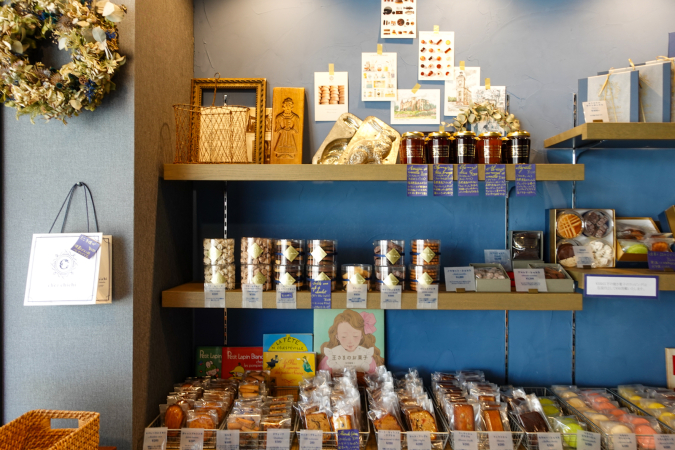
314 172
615 135
666 279
191 295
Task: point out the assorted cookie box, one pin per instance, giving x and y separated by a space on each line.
491 278
594 228
557 278
636 236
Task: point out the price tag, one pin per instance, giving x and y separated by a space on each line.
251 295
279 439
86 247
357 295
427 296
621 286
227 440
390 440
527 279
587 440
192 439
665 441
418 180
460 278
595 111
495 180
155 439
465 440
549 441
624 441
583 255
320 291
443 178
287 297
467 180
499 257
526 180
419 440
214 295
310 439
500 440
348 439
390 297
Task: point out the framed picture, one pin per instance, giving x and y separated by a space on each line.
259 85
416 108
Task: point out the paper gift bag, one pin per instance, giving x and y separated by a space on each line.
670 63
618 90
671 45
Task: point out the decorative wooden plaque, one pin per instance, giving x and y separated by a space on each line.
288 115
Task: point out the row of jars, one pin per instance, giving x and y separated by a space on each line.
465 147
391 252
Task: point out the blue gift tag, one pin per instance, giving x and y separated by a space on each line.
320 293
348 439
661 260
467 180
418 180
495 180
526 180
86 247
443 174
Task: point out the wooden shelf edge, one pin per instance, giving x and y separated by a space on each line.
666 279
191 295
590 133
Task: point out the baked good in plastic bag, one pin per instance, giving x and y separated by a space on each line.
492 417
173 416
207 420
568 426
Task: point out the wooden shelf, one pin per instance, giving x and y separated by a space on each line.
666 279
191 295
314 172
615 135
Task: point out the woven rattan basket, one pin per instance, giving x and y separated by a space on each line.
33 431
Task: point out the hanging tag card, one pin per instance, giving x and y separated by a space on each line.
549 441
661 260
527 279
348 439
86 247
467 180
419 440
278 439
418 180
155 438
427 296
287 297
460 278
495 180
357 295
59 276
500 440
624 441
227 440
443 175
251 296
587 440
583 255
390 297
388 440
310 439
192 439
498 257
526 180
664 441
214 295
320 291
465 440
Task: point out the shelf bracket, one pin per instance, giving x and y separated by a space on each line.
225 236
506 214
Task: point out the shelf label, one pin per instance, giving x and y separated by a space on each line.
467 180
390 297
310 439
460 277
391 440
465 440
418 180
227 440
527 279
637 286
549 441
500 440
419 440
320 293
278 439
251 295
624 441
587 440
155 439
443 175
595 111
495 180
287 297
357 295
498 257
664 441
192 439
427 296
526 180
661 260
214 295
348 439
583 255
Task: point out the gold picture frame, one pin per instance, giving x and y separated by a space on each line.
257 84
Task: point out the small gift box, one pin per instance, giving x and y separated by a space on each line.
619 90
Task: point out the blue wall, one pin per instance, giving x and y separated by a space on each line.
538 49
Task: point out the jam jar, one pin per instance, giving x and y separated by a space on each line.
466 147
490 148
506 146
519 152
412 148
439 146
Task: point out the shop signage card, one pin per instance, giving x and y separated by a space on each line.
419 440
467 180
549 441
155 438
288 114
526 180
595 112
214 295
331 95
635 286
661 260
495 180
583 255
457 89
320 291
251 295
458 278
357 295
59 276
286 296
498 257
436 58
418 180
624 441
500 440
192 439
527 279
670 367
427 296
379 80
587 440
278 439
443 174
398 20
310 439
664 441
227 440
390 297
348 439
465 440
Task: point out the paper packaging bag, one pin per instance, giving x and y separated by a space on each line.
621 95
104 293
655 90
671 45
671 72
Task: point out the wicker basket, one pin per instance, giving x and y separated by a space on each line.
33 431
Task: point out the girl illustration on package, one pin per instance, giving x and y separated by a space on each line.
351 343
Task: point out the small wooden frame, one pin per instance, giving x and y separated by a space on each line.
257 84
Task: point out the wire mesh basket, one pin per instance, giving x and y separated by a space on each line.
635 409
173 436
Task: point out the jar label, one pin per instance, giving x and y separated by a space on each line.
425 279
393 256
318 254
259 278
468 150
391 280
290 253
287 279
214 254
414 150
254 250
441 151
357 279
520 150
322 277
428 254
